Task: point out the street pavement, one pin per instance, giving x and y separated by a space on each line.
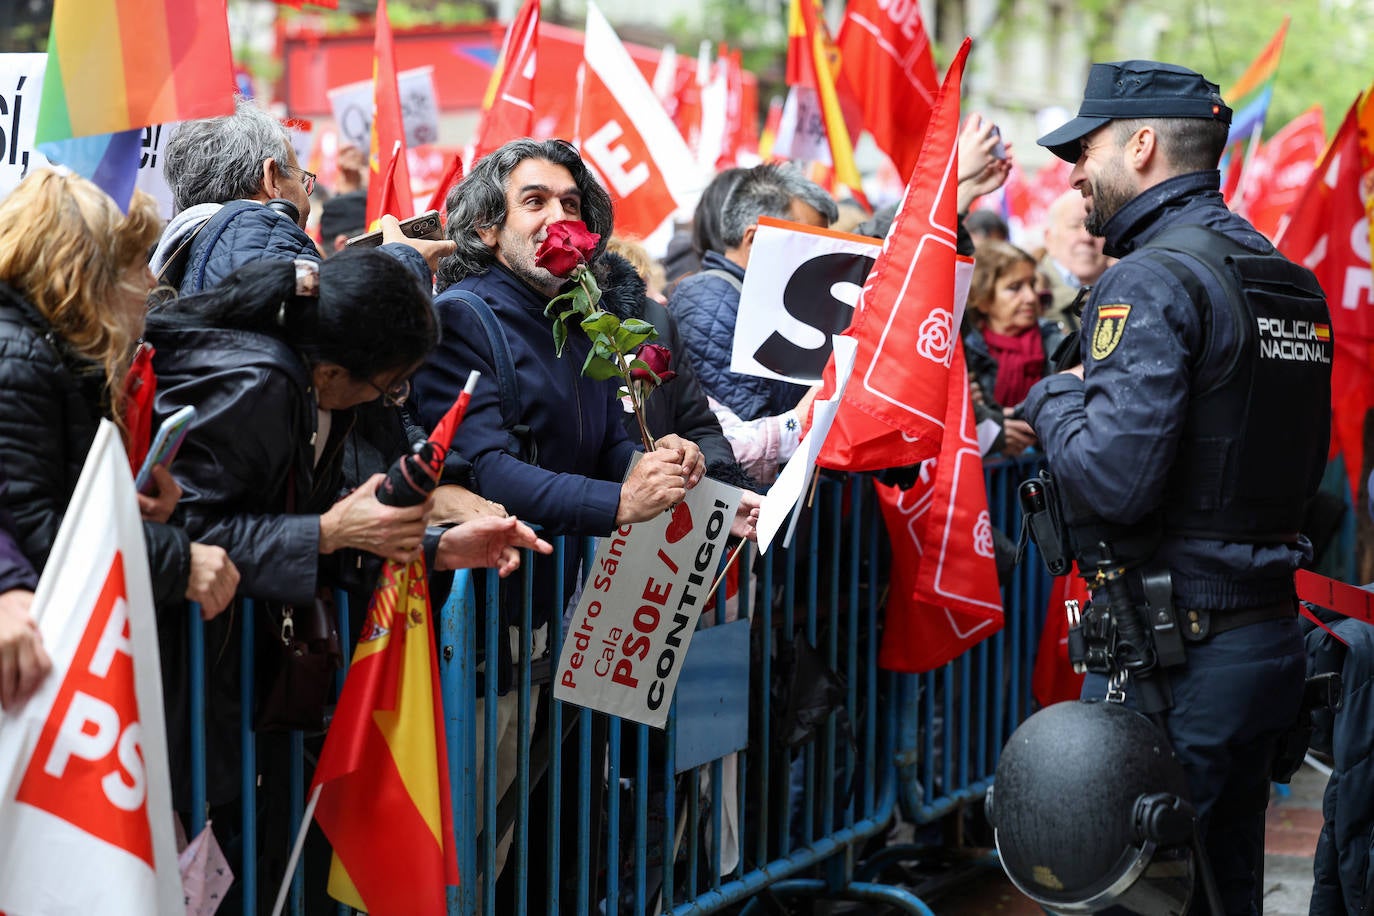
1293 822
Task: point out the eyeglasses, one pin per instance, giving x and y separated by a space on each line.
1046 299
394 396
307 178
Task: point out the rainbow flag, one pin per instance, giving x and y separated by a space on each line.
116 65
110 161
1249 100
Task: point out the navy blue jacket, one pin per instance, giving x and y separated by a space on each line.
705 307
575 421
1112 438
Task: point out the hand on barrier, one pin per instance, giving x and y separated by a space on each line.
212 581
487 541
656 483
360 521
158 507
23 660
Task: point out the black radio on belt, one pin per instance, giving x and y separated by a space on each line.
1042 521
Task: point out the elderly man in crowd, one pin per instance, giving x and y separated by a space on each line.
1073 256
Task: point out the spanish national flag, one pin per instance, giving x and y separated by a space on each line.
813 60
383 773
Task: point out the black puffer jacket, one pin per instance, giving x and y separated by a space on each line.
52 404
250 485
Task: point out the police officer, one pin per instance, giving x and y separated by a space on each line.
1198 423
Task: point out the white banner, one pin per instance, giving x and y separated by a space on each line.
85 797
801 133
801 287
352 107
624 648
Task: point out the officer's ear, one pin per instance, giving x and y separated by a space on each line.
1142 148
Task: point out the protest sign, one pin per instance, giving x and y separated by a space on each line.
625 645
801 286
83 763
352 107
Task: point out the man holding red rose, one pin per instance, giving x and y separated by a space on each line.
557 457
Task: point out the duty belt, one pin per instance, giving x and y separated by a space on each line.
1198 625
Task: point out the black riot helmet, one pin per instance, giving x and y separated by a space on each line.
1089 808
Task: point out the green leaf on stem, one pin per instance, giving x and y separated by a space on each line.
600 323
599 368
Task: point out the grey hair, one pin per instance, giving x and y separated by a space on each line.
479 202
216 160
768 190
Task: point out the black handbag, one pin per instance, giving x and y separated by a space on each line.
307 655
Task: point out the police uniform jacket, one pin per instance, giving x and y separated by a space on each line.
1113 438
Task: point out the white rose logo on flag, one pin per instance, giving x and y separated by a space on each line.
935 341
982 535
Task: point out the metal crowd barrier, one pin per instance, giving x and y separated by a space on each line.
606 816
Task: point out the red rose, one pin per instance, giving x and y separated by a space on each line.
657 358
567 245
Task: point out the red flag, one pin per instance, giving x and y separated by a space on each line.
907 321
739 121
1054 680
508 109
452 175
889 68
388 151
1280 169
140 388
383 774
1326 235
813 61
626 135
944 595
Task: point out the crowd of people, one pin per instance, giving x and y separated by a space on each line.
310 373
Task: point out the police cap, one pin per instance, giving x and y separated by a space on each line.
1136 89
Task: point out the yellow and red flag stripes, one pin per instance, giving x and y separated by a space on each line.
116 65
816 64
384 799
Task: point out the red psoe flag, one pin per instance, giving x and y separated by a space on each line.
1326 235
888 66
388 131
944 595
907 321
627 137
508 109
383 774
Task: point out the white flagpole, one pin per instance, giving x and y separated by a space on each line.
296 851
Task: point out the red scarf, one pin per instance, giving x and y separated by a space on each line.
1020 364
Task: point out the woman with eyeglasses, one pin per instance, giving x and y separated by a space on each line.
1006 342
275 359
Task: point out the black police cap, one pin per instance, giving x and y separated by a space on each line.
1136 89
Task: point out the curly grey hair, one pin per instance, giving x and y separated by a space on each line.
216 160
479 202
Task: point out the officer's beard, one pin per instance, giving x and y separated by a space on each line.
1110 192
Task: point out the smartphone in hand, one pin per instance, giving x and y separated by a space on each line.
169 437
425 226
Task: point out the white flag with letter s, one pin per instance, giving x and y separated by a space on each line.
85 795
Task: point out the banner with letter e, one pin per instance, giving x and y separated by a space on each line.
801 287
85 796
623 651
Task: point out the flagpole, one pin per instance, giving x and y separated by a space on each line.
296 851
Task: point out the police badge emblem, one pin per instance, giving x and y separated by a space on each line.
1111 325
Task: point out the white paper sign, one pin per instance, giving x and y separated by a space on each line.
783 499
352 106
801 132
625 645
801 286
21 89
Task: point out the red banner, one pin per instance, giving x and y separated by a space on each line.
388 172
508 109
1276 175
1054 680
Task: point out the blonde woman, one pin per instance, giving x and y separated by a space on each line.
73 282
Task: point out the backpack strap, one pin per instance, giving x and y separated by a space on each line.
726 276
521 442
